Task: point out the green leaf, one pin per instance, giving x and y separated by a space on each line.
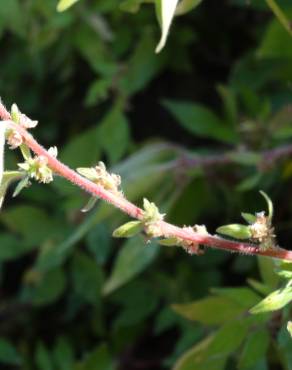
212 353
274 301
32 223
65 4
63 354
132 259
269 203
8 354
82 149
169 242
137 301
236 231
284 269
196 358
21 185
254 349
131 6
211 310
267 271
43 358
143 64
50 288
285 22
249 218
87 278
228 338
284 347
276 42
249 182
128 230
245 158
165 10
200 121
289 327
244 297
99 243
99 359
114 135
11 247
90 204
184 6
7 178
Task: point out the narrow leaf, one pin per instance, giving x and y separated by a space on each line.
7 178
65 4
185 6
280 15
236 231
249 217
274 301
128 230
21 185
132 259
25 151
169 242
289 327
269 203
165 8
90 204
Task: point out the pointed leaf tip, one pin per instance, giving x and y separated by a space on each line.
128 230
165 10
269 203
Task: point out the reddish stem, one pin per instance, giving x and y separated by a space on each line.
167 230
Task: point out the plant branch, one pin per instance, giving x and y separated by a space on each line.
167 230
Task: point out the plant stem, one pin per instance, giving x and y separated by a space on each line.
167 230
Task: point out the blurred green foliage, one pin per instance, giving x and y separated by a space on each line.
71 296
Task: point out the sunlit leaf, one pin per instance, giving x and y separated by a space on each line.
210 311
236 231
165 10
289 327
65 4
274 301
128 230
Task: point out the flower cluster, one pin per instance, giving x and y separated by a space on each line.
100 176
37 167
262 231
13 137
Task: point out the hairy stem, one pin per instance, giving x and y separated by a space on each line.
167 230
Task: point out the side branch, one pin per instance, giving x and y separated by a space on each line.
166 230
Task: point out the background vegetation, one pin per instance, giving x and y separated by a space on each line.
71 296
